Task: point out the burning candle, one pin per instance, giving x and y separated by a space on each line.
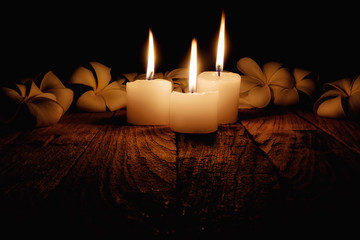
194 112
148 100
227 83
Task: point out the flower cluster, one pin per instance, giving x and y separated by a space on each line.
44 102
276 84
273 83
27 104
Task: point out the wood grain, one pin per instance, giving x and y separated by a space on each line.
320 172
41 157
225 182
125 181
34 162
276 171
343 130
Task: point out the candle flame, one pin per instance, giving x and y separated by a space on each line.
221 46
193 67
150 72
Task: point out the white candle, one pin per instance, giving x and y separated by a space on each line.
194 112
227 83
148 100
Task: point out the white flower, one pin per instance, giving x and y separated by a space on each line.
27 104
340 100
102 93
271 83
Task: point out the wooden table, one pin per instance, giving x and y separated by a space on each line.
276 171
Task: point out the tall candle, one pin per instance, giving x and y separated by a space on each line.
194 112
227 83
148 100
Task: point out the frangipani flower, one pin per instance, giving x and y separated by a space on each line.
178 77
102 93
272 82
341 99
52 84
303 82
27 104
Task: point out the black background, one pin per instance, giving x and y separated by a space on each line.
36 38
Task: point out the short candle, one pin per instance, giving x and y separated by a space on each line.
227 83
148 100
194 112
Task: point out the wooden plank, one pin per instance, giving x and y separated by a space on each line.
41 157
321 174
124 182
226 184
33 163
345 131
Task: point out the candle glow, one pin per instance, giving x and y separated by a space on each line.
194 112
221 46
193 67
148 100
226 83
150 72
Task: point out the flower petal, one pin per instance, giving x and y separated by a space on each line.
331 108
355 85
248 83
64 96
50 81
282 78
244 101
90 102
52 84
354 105
158 75
83 76
22 90
342 85
284 96
249 67
307 86
270 68
300 74
303 84
178 73
115 99
45 111
130 76
115 96
34 90
259 96
102 73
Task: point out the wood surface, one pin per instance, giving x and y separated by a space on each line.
274 172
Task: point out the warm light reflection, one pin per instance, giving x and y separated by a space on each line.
193 67
150 72
221 46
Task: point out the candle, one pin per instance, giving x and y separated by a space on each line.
148 100
227 83
194 112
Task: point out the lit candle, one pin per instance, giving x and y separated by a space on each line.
227 83
194 112
148 100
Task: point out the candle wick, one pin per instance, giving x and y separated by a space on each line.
218 69
151 76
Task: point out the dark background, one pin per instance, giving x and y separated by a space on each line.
36 38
